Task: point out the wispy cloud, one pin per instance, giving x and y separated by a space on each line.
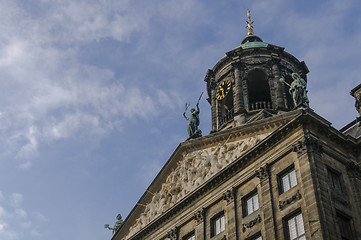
15 222
51 95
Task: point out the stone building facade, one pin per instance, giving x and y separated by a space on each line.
266 171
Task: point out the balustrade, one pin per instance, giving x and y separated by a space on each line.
260 105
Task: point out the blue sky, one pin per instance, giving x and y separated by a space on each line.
92 95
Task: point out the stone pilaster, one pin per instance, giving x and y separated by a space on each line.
230 210
245 94
213 107
199 217
279 87
268 212
310 168
354 172
211 87
238 99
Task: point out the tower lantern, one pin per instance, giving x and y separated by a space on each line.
245 84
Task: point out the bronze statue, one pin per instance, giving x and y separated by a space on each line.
298 91
117 224
193 131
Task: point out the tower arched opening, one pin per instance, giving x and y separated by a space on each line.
259 96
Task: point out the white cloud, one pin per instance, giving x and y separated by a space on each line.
88 21
51 94
12 53
15 222
29 149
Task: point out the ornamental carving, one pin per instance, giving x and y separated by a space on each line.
308 144
199 216
173 234
263 172
288 201
192 171
251 223
300 148
228 196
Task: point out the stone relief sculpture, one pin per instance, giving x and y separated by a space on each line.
298 91
192 171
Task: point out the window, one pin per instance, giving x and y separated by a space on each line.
193 237
250 204
189 236
335 180
344 224
295 228
288 180
217 224
257 236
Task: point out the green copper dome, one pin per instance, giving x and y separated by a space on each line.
252 41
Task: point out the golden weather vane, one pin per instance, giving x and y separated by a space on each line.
249 23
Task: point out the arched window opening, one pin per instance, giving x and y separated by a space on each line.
259 95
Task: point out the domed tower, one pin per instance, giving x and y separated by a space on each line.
245 84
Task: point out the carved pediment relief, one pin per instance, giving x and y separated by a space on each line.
192 171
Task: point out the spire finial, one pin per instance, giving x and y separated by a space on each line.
249 23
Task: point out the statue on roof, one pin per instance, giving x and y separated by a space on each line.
193 131
117 224
298 91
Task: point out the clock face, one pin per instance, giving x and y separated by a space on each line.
223 89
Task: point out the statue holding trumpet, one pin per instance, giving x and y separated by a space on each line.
193 131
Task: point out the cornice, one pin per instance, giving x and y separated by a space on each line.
269 53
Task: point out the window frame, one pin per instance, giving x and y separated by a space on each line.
332 176
189 235
283 174
286 227
213 221
245 199
255 236
348 220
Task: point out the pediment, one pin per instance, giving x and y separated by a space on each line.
192 171
263 114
